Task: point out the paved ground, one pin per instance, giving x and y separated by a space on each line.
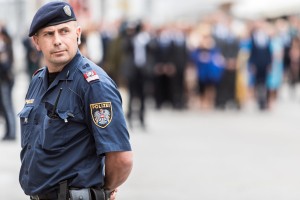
198 155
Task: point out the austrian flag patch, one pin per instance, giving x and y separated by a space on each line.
91 76
101 113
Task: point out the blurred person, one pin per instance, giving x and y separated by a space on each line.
115 55
243 79
106 36
135 69
275 76
6 84
74 138
292 22
260 60
33 57
82 46
286 31
164 70
229 46
180 60
209 63
94 45
293 72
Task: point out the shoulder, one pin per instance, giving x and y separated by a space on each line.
89 73
38 71
37 75
92 73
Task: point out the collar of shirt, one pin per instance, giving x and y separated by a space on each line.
67 73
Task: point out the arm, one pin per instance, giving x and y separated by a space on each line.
118 166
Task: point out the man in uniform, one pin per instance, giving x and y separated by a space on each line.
74 138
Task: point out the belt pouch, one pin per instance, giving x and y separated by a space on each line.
80 194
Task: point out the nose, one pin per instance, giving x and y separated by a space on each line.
57 39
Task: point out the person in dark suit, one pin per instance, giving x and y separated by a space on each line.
135 69
164 70
260 62
180 60
226 92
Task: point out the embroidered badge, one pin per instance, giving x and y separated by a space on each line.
101 113
67 10
29 101
91 76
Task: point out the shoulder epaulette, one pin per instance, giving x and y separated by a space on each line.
88 73
37 71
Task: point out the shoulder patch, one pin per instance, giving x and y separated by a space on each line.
37 71
91 76
101 113
89 73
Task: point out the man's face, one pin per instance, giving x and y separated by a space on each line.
58 44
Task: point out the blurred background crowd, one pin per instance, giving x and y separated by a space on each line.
216 60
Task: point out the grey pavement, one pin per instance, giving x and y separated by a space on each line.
192 154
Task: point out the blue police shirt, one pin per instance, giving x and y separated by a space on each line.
88 122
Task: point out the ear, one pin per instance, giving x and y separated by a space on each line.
35 40
78 33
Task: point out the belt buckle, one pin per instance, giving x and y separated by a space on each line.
35 197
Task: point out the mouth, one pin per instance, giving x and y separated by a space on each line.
58 52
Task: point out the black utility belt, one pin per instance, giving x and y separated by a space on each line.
66 193
75 194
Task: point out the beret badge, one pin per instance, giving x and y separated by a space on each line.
67 10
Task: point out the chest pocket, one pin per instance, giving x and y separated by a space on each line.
25 124
59 131
54 134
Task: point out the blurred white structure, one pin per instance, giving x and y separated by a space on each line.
248 9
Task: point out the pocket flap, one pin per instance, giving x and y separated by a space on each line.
25 112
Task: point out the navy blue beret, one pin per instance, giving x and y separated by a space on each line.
50 14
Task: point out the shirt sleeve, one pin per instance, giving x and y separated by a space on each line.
106 117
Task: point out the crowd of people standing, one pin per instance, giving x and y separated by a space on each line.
220 60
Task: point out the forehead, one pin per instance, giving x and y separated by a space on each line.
70 25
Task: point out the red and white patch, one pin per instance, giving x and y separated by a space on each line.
91 76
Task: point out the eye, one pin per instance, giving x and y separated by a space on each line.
64 31
47 34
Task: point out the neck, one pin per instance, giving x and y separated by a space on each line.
54 68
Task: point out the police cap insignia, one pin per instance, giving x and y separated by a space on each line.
101 113
67 10
50 14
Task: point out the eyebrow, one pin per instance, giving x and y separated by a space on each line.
53 30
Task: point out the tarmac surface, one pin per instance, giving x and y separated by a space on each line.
191 154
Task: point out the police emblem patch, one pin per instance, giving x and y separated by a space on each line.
101 113
67 10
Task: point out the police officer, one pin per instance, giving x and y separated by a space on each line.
75 143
